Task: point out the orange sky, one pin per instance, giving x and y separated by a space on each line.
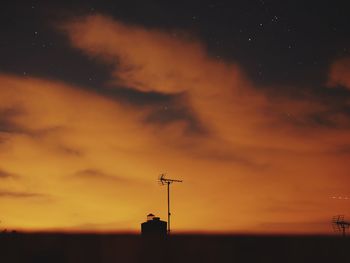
74 159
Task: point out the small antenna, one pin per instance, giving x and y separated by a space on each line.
339 224
167 181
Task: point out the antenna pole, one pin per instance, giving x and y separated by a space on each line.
168 181
168 189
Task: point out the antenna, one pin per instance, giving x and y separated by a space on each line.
167 181
339 224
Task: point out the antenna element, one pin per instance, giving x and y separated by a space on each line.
339 224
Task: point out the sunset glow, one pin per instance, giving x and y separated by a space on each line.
254 159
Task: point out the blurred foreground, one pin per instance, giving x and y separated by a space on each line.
87 248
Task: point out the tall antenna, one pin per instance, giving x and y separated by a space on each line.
162 180
339 224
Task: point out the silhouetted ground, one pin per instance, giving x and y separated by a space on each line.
54 248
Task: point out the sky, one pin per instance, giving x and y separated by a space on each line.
248 102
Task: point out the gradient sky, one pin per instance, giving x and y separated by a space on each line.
247 101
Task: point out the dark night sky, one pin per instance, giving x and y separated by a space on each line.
276 42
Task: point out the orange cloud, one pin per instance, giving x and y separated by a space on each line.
219 93
258 163
339 73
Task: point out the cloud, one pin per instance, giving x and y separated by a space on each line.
68 129
138 65
94 174
339 73
219 97
11 194
169 107
267 134
4 175
343 149
6 125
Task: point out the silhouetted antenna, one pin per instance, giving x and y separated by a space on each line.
339 224
167 181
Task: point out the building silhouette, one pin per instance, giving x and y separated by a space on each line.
154 226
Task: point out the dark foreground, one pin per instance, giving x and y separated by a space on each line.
54 248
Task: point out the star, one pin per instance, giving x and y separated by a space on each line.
274 19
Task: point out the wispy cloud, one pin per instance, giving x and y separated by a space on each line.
13 194
4 174
96 174
7 125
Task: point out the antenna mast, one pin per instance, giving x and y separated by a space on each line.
162 180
